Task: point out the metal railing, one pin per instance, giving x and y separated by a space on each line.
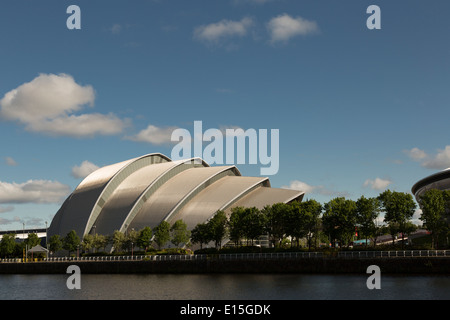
247 256
270 255
394 254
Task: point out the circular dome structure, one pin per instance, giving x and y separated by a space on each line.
439 180
147 190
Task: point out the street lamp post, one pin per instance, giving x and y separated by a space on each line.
46 235
23 239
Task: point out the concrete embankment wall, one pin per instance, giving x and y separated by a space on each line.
403 265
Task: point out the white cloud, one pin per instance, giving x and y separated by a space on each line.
416 154
310 189
284 27
163 135
33 191
300 186
154 135
4 221
47 103
116 28
377 184
81 126
83 170
215 32
46 96
10 162
440 161
416 217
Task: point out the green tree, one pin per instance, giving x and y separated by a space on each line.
310 212
55 243
275 218
339 220
295 224
217 226
253 223
145 238
180 233
433 206
88 242
235 224
8 244
131 239
367 211
399 208
118 240
162 234
200 234
100 241
71 241
410 228
32 240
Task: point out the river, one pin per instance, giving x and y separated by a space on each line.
223 287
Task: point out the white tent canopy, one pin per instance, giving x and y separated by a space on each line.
38 249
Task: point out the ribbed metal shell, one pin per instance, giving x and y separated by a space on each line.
147 190
439 180
81 208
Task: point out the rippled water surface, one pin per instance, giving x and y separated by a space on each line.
223 286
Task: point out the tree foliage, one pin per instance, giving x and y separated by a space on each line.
399 207
55 243
162 234
71 241
218 228
310 213
236 232
336 220
8 245
339 219
200 234
118 240
32 240
433 203
367 211
145 238
276 221
179 233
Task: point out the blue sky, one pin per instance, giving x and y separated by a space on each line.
358 110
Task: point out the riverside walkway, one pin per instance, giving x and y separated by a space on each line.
247 256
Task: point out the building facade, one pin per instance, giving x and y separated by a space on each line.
147 190
439 180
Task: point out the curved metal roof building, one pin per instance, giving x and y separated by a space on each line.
439 180
146 190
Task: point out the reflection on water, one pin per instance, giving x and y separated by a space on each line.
223 286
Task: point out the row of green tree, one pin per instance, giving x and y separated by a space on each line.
121 242
9 247
435 205
336 222
177 234
339 221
